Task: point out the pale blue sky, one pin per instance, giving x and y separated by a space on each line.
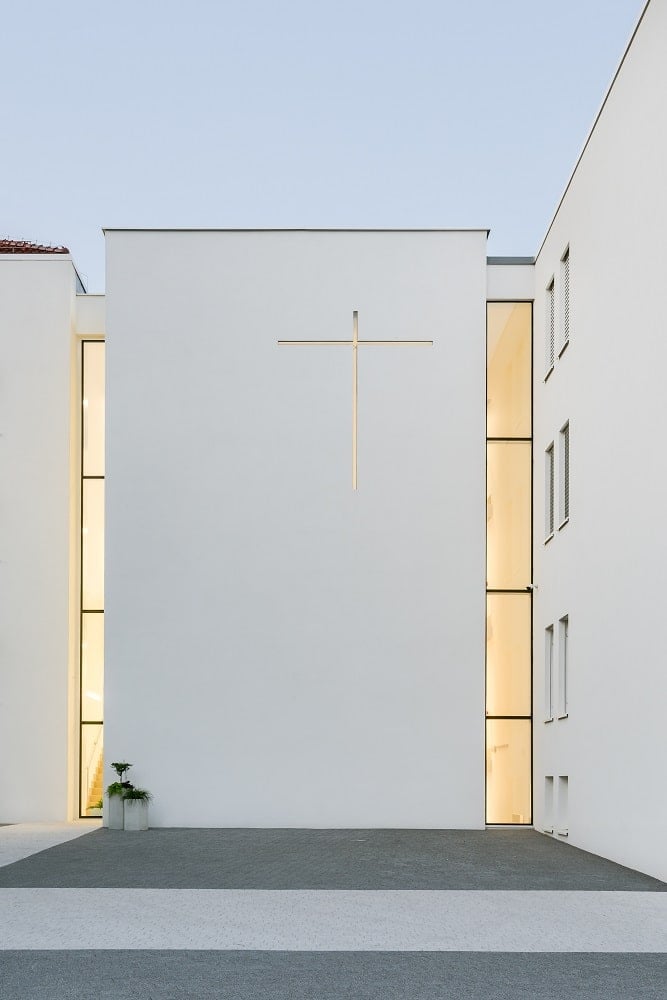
370 113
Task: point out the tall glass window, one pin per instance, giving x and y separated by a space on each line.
509 563
91 658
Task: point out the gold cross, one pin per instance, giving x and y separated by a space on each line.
355 343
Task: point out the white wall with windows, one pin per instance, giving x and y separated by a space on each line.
603 406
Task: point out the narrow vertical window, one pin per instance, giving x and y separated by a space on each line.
564 506
563 806
91 602
550 320
565 300
549 492
563 638
549 803
548 673
509 458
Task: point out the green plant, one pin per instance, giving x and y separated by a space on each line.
126 789
121 768
97 805
141 794
120 787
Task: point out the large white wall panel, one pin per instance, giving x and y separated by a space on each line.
36 306
280 650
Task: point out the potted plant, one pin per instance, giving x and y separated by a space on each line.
135 801
125 806
113 814
113 807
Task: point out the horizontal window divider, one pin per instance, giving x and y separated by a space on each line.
526 440
93 477
92 611
509 590
507 826
92 722
509 718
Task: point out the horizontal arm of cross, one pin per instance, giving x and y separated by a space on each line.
348 343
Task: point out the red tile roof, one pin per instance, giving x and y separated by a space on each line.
24 246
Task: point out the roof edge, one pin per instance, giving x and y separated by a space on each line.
593 127
287 229
510 260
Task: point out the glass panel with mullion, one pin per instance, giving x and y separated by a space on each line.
508 515
93 408
509 348
508 778
92 667
92 545
508 642
92 768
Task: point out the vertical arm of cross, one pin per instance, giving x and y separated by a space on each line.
355 393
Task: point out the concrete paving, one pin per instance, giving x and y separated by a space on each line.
21 840
230 975
323 859
333 920
323 914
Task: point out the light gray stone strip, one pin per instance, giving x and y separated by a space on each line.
20 840
333 920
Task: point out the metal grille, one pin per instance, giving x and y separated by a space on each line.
551 327
565 453
549 492
565 273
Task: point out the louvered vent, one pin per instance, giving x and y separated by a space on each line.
549 492
565 468
565 274
551 327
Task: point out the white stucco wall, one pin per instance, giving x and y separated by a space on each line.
280 650
605 568
36 309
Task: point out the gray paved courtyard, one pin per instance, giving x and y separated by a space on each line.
327 914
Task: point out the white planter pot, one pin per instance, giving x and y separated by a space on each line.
115 812
105 810
136 814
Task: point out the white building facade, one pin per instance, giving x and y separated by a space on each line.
349 528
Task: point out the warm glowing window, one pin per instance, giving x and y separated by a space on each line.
509 563
508 379
508 513
508 767
508 654
91 618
